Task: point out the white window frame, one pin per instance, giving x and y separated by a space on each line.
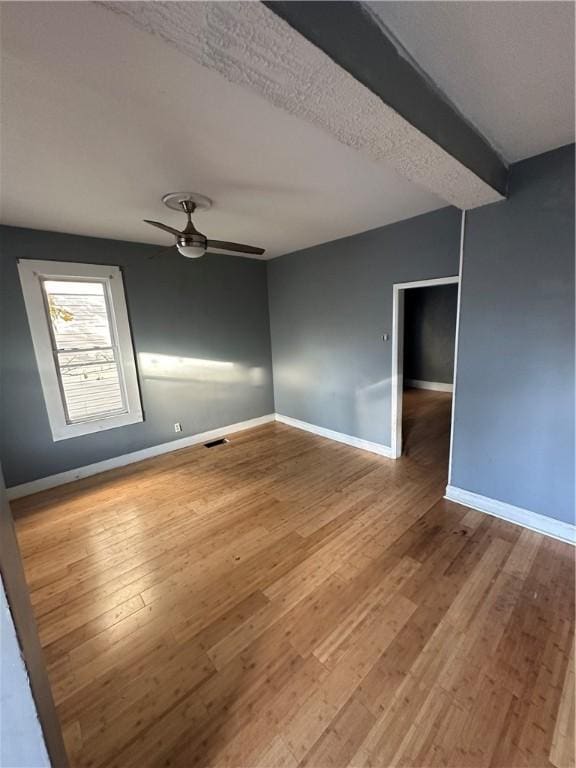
32 275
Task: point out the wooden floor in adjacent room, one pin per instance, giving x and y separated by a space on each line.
286 600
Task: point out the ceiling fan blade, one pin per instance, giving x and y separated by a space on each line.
165 227
222 245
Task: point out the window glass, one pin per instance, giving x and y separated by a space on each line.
84 349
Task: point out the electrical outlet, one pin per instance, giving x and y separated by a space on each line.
177 427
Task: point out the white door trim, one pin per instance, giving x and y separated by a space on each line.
398 352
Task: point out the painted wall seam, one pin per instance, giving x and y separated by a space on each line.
456 342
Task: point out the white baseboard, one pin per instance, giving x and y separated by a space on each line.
43 483
532 520
355 442
437 386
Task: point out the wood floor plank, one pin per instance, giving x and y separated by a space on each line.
564 737
284 601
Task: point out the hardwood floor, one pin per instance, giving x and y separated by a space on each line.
285 600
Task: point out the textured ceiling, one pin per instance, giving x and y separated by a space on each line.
507 66
249 45
101 118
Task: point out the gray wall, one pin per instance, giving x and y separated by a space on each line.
514 407
330 305
214 308
429 333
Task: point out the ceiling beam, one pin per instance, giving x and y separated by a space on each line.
355 39
330 63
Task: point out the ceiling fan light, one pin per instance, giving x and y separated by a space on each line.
192 251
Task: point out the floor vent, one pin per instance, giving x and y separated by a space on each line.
214 443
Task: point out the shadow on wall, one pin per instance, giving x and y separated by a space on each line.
321 397
365 401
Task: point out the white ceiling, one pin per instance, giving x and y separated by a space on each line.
250 45
100 119
507 66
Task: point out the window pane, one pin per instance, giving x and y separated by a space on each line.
91 386
89 374
78 314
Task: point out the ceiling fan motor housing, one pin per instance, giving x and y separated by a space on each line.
192 246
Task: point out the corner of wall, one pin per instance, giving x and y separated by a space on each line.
270 335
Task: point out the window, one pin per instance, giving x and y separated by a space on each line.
81 336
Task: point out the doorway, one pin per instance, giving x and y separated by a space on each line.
424 333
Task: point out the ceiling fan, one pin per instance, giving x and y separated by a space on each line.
189 241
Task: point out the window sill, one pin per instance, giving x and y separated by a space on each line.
67 431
